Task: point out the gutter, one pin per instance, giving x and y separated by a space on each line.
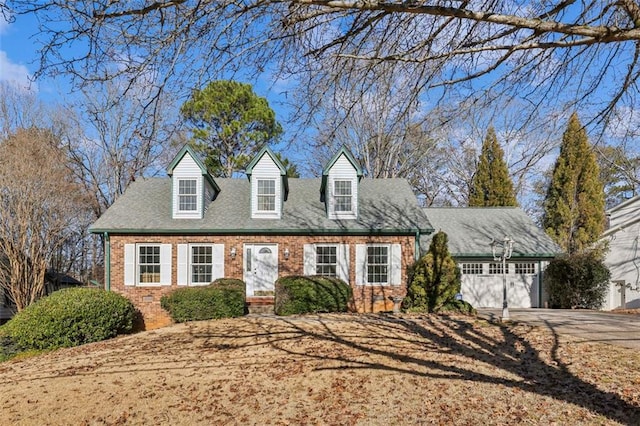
303 232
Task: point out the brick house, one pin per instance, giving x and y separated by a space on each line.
189 229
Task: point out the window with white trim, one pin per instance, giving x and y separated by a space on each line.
266 195
149 264
377 264
496 268
528 268
201 264
327 261
187 195
472 268
343 196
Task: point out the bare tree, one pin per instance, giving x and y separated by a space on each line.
559 54
116 140
41 210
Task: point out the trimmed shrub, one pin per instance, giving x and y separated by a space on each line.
224 298
310 294
71 317
459 306
577 281
434 279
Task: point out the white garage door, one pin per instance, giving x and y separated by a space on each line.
482 284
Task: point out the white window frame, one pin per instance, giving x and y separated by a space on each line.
495 268
264 195
186 264
525 268
320 263
472 268
140 264
342 259
132 264
386 265
394 264
193 264
192 197
337 197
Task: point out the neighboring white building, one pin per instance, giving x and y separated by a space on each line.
471 230
623 257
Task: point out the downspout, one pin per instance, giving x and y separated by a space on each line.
107 262
416 250
540 303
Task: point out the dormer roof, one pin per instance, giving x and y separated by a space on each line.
327 168
283 171
196 158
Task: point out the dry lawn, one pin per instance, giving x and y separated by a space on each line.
329 369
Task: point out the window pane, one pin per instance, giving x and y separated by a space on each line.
149 264
187 198
266 195
472 268
377 264
326 261
496 268
201 264
342 195
525 268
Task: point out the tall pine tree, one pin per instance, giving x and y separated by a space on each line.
492 185
574 207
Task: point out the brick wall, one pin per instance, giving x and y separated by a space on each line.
147 299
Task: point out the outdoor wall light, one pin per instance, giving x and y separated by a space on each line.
502 251
286 254
233 253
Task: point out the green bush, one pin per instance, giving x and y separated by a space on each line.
434 279
309 294
577 281
70 317
459 306
224 298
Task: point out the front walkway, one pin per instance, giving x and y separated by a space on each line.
594 326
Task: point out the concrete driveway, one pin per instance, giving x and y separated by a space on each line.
594 326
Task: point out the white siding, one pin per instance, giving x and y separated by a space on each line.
625 213
209 193
187 168
623 260
342 169
265 168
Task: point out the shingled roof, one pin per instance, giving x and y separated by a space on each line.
386 206
470 231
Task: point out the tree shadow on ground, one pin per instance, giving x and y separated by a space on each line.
528 369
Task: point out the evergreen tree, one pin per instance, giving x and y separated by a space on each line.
574 205
229 123
435 278
492 185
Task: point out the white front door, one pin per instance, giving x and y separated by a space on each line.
260 269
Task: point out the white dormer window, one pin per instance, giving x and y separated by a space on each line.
187 195
266 195
342 193
339 187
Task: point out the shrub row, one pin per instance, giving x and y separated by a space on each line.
310 294
70 317
224 298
